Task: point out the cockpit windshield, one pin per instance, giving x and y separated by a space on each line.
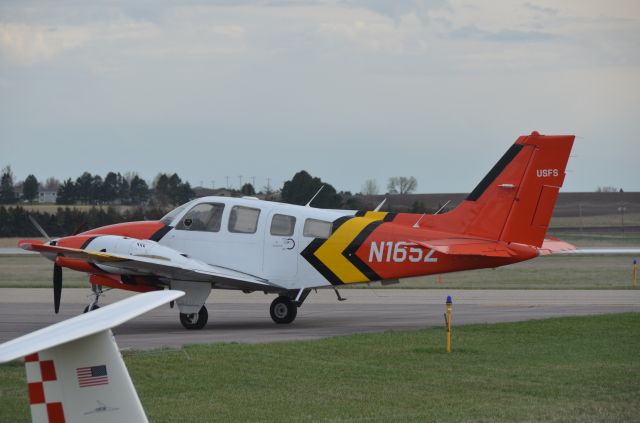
168 218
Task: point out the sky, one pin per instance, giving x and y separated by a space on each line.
348 90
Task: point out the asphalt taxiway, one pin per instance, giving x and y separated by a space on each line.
238 317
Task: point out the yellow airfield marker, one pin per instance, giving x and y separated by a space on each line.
447 319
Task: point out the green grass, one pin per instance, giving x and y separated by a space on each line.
35 271
550 272
600 239
613 219
578 369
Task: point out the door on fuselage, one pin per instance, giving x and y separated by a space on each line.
280 247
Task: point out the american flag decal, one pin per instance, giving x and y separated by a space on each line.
92 376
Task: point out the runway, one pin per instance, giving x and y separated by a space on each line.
238 317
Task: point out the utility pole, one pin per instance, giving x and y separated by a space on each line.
240 179
621 210
227 181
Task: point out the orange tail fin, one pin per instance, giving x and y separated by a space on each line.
515 200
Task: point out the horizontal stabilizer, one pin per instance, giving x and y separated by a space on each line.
553 245
468 247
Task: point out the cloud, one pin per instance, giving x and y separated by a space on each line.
541 9
397 9
503 36
28 44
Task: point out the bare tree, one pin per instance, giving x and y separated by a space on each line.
607 189
402 185
370 187
51 183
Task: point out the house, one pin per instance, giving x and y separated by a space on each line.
47 195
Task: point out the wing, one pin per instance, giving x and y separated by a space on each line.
168 264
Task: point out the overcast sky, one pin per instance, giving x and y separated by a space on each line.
347 90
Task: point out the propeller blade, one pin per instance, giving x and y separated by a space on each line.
57 287
39 228
79 228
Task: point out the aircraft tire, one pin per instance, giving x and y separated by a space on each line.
190 323
95 307
283 310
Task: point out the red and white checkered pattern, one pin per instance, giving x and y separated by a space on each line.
44 394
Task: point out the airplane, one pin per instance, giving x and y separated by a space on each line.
289 250
74 369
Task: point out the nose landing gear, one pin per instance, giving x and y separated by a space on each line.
96 292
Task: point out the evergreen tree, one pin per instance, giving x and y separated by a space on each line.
124 193
67 193
139 190
302 187
30 188
161 190
247 189
109 191
7 196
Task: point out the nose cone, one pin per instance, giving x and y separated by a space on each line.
153 230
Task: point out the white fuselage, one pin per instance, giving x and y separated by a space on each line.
265 248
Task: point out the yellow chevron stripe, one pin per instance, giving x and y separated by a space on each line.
330 252
375 215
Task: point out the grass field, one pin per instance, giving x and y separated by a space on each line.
578 369
600 239
551 272
630 219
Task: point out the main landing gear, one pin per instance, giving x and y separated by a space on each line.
284 309
195 320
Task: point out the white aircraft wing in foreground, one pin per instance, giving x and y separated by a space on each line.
75 372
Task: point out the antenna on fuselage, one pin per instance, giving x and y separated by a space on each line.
377 209
417 224
314 197
442 208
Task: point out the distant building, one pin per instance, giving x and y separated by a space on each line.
47 195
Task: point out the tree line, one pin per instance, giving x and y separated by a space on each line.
114 188
151 202
14 221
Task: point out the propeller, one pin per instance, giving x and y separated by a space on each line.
39 228
57 287
57 270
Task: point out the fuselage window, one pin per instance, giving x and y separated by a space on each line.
205 217
317 228
243 220
282 225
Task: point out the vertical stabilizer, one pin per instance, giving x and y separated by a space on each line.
515 200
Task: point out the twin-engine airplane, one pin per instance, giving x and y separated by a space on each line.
288 250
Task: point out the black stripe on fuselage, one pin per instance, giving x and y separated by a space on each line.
157 236
308 254
496 170
350 252
86 243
